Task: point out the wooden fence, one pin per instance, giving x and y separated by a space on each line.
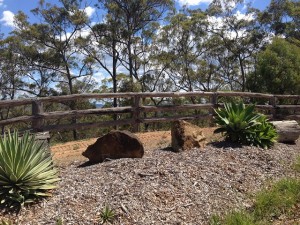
137 110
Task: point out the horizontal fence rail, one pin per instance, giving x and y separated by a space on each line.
137 110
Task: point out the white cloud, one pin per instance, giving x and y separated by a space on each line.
1 2
89 11
217 23
8 18
193 2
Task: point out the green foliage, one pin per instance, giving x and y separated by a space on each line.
234 218
279 199
236 120
265 134
6 222
59 221
242 125
215 220
277 69
107 215
296 165
27 172
239 218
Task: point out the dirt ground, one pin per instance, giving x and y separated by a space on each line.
67 153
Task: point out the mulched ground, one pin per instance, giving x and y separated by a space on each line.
163 187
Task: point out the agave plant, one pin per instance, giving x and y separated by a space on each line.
27 172
242 125
107 215
6 222
265 134
236 121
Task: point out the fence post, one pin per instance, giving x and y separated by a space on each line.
37 109
272 102
136 113
214 102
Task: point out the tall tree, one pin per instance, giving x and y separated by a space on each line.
282 17
135 18
238 37
102 47
184 39
53 39
277 69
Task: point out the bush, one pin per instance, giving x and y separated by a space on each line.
242 125
265 134
27 172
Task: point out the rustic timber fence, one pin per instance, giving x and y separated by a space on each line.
137 110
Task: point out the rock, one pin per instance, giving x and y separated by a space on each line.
186 136
288 130
115 145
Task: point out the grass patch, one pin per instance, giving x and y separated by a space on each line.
278 200
270 203
296 165
234 218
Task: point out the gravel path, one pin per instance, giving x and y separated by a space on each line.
163 187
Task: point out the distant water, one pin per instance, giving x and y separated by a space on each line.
98 105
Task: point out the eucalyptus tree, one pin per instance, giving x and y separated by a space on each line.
282 17
11 71
136 20
238 37
36 80
102 47
53 41
184 40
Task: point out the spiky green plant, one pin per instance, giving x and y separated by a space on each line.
264 134
6 222
107 215
27 172
236 121
242 125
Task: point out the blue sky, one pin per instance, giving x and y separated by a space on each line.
8 8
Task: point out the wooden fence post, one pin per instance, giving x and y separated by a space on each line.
214 102
136 113
37 109
272 102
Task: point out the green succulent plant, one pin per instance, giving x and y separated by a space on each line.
6 222
236 121
27 172
242 125
107 215
265 134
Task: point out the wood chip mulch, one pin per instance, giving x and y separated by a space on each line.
163 187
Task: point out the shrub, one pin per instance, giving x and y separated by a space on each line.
265 134
27 172
242 125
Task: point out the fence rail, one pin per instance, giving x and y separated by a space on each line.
137 109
